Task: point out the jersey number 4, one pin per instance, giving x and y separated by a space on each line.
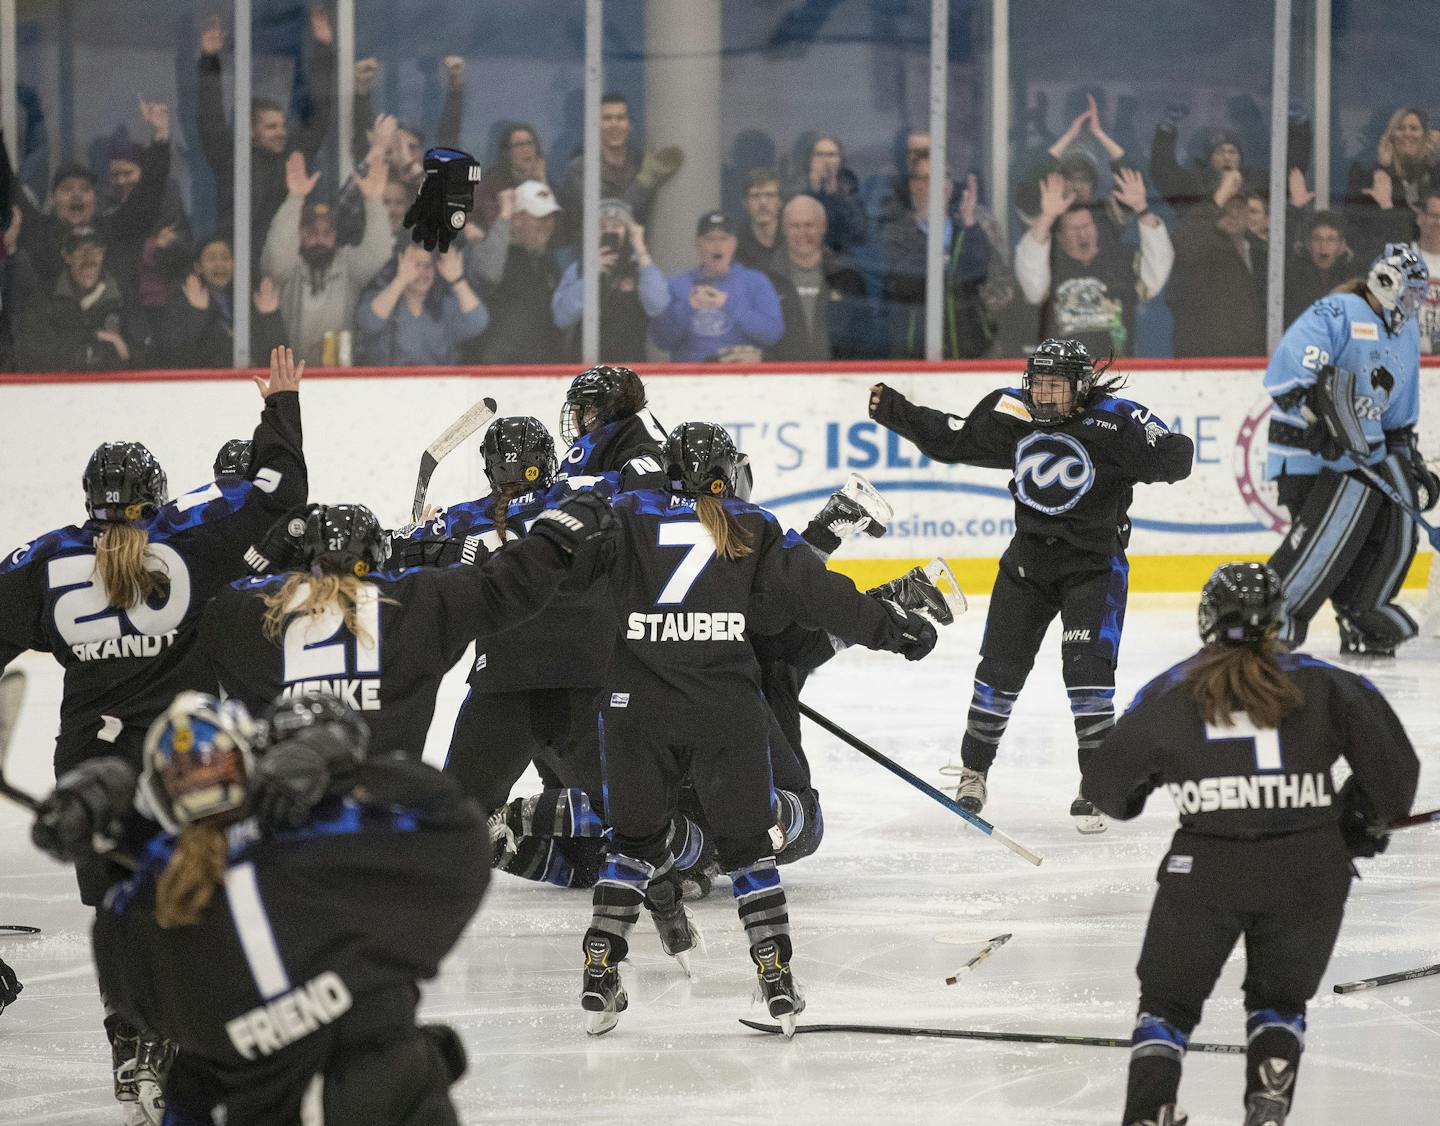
1265 740
312 650
701 547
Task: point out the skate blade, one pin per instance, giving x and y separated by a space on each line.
683 957
787 1024
880 510
944 580
597 1024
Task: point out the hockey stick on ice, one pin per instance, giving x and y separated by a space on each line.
436 452
19 928
1383 979
1416 819
989 948
12 697
920 784
980 1034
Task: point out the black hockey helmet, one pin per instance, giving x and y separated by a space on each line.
123 481
518 451
233 460
1241 604
611 393
343 539
1069 360
701 460
290 714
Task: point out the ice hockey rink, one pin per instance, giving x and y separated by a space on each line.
898 897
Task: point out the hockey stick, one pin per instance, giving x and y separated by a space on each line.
1385 489
12 697
1416 819
469 422
989 948
979 1034
919 783
19 928
1383 979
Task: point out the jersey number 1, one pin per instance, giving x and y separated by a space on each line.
1265 740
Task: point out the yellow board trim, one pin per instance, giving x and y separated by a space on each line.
1148 573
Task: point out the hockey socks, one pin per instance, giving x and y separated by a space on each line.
619 892
554 813
1275 1041
1093 709
1157 1048
990 710
761 902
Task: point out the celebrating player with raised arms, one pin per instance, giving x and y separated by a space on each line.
608 430
336 621
1243 736
277 928
691 569
1075 452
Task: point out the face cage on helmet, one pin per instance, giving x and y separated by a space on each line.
1045 415
175 814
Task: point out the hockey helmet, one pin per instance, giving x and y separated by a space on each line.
1398 280
1065 359
198 758
1241 604
123 481
599 395
343 539
701 460
291 714
518 451
233 460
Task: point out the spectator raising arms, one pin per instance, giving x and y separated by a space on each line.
420 310
516 261
85 323
632 288
1381 200
197 324
1085 282
406 149
720 310
319 281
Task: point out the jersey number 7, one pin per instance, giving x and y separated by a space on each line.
701 550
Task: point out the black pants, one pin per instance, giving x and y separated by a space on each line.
1347 543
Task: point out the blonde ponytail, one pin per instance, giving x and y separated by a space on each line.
120 554
322 592
731 540
194 871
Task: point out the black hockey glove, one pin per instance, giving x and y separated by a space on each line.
406 553
1363 835
1401 444
446 195
87 802
582 519
10 986
917 635
295 775
279 549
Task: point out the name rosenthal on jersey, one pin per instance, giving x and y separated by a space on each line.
1249 791
681 626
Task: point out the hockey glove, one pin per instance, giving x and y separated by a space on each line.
279 549
10 986
406 553
87 802
582 519
916 635
1401 444
295 775
1363 835
446 195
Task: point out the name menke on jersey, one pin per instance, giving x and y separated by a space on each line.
360 695
687 625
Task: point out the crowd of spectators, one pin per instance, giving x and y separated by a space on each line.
812 262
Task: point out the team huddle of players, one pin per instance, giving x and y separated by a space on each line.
250 678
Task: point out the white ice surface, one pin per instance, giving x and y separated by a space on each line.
898 897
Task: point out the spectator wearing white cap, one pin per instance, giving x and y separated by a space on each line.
516 267
720 310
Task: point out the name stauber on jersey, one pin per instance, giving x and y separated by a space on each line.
1252 791
357 695
685 627
131 645
290 1016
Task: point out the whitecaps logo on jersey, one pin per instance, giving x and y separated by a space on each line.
1052 472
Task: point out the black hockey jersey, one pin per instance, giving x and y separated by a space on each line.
631 447
123 666
684 613
417 623
1074 480
1245 782
310 950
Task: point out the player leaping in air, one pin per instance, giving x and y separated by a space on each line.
1076 452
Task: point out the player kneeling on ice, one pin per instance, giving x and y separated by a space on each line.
1243 735
692 568
1075 452
278 927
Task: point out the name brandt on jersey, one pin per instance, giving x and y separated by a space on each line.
357 695
131 645
290 1017
1250 791
685 627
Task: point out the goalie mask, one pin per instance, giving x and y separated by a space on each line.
343 539
1241 604
599 395
123 481
198 759
518 451
1053 360
1398 281
701 460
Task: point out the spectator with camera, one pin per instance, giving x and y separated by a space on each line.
632 287
516 267
760 239
197 324
823 302
720 310
827 178
85 322
420 310
1217 288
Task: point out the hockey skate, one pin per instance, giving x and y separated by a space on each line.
1355 642
601 994
777 987
152 1061
673 922
1269 1105
1169 1115
931 590
856 507
1088 819
502 838
970 794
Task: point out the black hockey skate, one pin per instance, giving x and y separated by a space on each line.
1088 819
1271 1103
1169 1115
1355 642
678 933
124 1050
931 590
601 994
777 987
152 1062
856 507
502 837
